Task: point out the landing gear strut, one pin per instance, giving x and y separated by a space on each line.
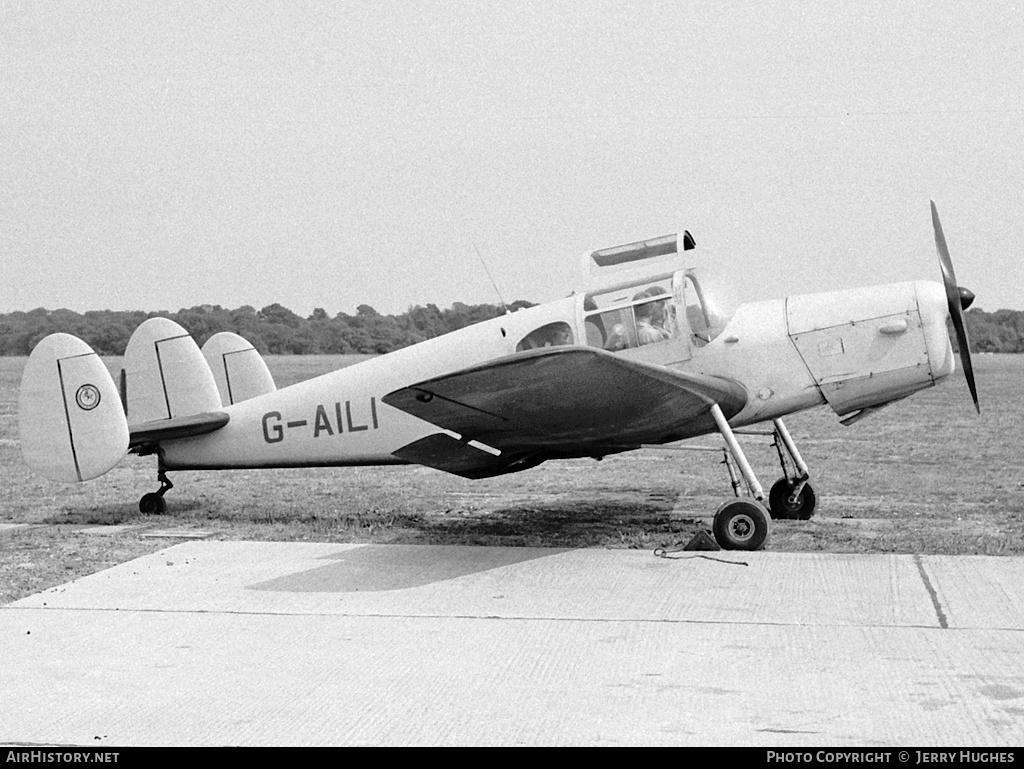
740 524
153 503
791 496
744 523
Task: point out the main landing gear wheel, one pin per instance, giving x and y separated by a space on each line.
152 504
781 505
741 524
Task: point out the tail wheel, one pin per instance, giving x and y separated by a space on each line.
741 524
783 507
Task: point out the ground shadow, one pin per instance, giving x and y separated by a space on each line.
376 568
575 523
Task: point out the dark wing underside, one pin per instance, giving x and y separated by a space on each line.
557 402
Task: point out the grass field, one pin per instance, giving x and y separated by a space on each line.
925 475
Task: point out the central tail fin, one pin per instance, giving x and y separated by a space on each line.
165 374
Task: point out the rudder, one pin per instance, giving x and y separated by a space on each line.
71 422
238 368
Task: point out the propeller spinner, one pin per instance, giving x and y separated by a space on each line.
957 299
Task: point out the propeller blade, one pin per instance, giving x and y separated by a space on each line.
957 300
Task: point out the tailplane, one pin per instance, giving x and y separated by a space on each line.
75 423
71 422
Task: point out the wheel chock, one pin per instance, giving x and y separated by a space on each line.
702 540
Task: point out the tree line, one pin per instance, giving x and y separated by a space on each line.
999 331
276 330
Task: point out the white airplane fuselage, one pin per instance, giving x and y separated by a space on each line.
851 349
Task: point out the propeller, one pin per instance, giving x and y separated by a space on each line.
957 299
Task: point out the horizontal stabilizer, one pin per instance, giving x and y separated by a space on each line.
71 422
177 427
166 375
238 368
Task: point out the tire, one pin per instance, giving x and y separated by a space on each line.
742 524
781 509
152 504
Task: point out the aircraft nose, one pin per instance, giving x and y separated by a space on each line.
931 299
966 297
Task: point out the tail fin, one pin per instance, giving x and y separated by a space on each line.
166 375
238 368
71 422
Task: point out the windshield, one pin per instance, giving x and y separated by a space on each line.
660 308
709 307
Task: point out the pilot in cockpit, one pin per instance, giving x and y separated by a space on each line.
651 317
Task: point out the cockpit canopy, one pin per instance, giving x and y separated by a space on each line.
649 311
642 298
631 315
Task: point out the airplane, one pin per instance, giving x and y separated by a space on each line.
642 356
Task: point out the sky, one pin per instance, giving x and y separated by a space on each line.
161 155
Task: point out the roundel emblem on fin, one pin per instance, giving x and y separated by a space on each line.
87 397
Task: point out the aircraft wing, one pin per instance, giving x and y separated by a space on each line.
558 402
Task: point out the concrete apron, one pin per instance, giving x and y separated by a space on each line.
255 643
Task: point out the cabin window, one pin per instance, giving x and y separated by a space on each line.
644 315
552 335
